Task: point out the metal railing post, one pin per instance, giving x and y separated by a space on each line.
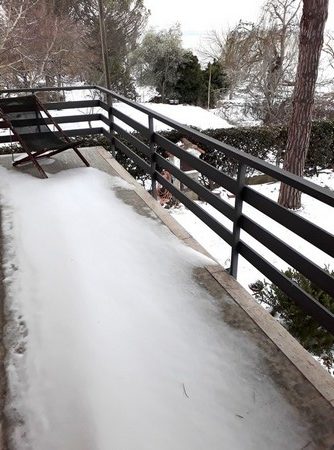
153 156
241 179
109 100
111 129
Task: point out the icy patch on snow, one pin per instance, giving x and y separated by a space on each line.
122 349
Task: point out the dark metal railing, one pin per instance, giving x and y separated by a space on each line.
143 148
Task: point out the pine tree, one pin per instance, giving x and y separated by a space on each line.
215 81
158 59
190 79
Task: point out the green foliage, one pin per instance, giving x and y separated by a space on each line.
193 83
159 58
262 141
189 83
215 75
162 63
321 149
256 141
305 329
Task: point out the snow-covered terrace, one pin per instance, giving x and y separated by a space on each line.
120 335
120 330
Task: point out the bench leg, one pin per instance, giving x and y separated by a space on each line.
83 159
32 159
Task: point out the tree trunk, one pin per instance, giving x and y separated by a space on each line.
310 44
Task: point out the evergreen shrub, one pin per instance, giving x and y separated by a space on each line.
257 141
264 141
306 330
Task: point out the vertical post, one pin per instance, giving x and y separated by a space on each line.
111 129
153 156
236 224
209 86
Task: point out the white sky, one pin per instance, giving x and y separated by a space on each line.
196 18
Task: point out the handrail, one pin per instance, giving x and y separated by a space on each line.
303 185
143 148
48 89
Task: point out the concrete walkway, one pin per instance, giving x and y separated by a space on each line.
304 385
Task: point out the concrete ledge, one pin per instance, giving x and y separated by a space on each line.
317 376
288 345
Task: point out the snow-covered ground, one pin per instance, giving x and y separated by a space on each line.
312 210
185 114
113 344
234 111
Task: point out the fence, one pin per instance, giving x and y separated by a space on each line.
145 151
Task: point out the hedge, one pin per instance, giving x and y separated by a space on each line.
257 141
264 141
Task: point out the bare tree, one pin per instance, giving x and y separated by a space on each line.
232 48
45 41
279 25
272 59
259 58
12 15
328 48
312 26
37 46
327 57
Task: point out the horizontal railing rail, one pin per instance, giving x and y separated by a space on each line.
33 90
76 119
148 148
58 119
91 131
299 183
73 104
